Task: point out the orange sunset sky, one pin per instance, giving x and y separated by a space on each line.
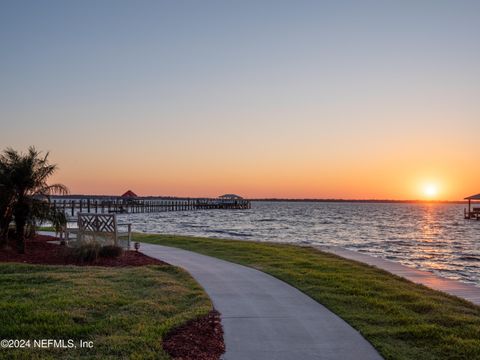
358 100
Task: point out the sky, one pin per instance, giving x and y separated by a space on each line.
292 99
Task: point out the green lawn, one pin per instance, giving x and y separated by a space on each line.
124 311
401 319
45 228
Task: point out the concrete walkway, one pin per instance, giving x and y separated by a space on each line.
264 318
453 287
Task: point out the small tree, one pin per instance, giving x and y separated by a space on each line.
6 210
25 193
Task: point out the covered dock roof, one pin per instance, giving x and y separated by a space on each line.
230 196
129 194
473 197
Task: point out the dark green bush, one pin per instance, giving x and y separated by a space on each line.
87 252
111 251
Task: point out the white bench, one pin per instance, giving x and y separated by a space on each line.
99 227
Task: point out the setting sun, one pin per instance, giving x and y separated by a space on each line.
430 190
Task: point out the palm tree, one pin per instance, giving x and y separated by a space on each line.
23 179
6 201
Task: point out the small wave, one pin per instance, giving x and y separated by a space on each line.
469 258
364 245
187 225
226 232
303 242
472 267
326 222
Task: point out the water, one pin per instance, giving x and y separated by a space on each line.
433 237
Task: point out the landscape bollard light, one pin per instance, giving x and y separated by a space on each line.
136 246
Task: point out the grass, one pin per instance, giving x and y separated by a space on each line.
124 311
45 228
401 319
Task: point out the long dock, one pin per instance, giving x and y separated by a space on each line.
120 205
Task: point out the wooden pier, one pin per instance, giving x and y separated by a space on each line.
119 205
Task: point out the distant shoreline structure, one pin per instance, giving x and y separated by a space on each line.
375 201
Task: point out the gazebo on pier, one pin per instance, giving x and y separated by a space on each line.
129 195
472 212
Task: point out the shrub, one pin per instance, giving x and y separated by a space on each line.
86 252
110 251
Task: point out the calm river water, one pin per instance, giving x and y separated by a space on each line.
432 237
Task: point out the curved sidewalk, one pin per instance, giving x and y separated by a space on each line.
265 318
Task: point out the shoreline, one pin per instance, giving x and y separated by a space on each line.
460 289
456 288
429 279
468 292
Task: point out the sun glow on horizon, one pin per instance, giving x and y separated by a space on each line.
430 190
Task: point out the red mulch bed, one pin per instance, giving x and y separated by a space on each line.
39 251
200 339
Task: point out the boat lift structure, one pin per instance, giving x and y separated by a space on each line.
473 212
